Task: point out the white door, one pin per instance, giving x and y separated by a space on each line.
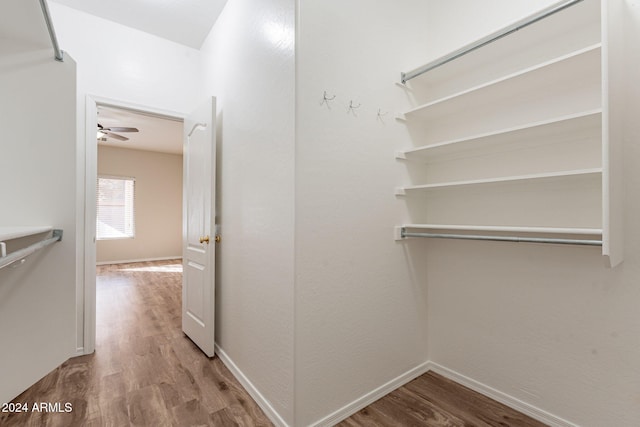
198 237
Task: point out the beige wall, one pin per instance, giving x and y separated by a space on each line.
158 204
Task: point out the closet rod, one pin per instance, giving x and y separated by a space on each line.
57 52
405 77
518 239
23 253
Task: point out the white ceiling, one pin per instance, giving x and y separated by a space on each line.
183 21
155 133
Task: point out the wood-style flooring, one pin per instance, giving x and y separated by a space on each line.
432 400
145 372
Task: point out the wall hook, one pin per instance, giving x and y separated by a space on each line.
352 107
326 99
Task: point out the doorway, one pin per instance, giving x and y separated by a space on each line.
139 191
141 216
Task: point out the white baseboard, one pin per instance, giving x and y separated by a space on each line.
510 401
129 261
501 397
367 399
364 401
262 402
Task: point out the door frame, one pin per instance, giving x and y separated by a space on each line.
86 294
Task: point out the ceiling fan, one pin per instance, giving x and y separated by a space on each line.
104 132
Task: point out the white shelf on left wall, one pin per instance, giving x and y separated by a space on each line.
16 232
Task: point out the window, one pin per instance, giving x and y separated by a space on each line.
115 208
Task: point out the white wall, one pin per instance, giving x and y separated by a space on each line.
37 182
360 303
550 326
249 67
158 204
119 63
125 64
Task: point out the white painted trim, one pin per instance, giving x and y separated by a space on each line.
262 402
88 300
510 401
364 401
138 108
501 397
129 261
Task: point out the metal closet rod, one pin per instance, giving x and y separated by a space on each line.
405 77
57 52
23 253
404 233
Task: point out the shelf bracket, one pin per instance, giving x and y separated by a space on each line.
401 155
398 234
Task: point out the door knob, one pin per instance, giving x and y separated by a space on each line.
204 239
218 238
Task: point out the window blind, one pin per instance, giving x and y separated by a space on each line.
115 208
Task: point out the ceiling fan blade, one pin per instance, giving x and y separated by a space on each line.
114 135
121 129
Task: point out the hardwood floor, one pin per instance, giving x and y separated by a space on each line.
145 372
434 401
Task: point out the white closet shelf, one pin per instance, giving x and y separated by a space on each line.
9 233
530 123
556 27
574 72
505 179
507 229
16 232
423 153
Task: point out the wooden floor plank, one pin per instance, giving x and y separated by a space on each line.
372 416
146 407
190 413
223 417
434 401
470 406
423 410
